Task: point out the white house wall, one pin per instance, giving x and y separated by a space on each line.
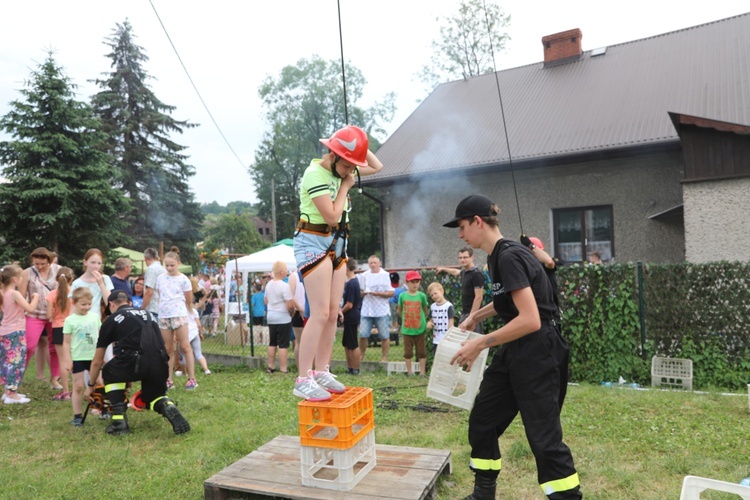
717 220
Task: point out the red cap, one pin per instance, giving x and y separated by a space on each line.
537 242
412 276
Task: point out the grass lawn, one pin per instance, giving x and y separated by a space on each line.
627 444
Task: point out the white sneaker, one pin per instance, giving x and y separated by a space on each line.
207 372
327 381
178 373
18 400
307 388
5 395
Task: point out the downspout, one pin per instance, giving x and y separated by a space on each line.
382 223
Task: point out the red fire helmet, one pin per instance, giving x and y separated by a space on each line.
350 143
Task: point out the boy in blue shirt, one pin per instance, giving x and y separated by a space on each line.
259 306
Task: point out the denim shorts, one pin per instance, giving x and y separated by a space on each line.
311 248
380 322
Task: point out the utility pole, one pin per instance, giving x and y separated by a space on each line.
273 210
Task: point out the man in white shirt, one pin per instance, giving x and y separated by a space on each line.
153 271
375 285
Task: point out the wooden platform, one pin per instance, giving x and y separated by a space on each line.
273 470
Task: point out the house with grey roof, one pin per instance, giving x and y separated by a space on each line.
638 151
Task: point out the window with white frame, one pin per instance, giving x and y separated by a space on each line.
582 230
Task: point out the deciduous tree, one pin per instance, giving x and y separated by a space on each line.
303 104
466 43
233 232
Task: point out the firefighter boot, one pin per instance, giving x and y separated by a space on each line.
119 423
168 410
484 488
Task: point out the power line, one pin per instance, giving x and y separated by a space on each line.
205 106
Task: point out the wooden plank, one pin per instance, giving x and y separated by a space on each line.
274 470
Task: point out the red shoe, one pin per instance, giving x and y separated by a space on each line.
62 396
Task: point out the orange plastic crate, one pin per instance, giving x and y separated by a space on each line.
339 422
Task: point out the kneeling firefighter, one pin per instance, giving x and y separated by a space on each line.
139 355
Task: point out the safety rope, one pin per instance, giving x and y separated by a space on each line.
343 71
346 107
502 113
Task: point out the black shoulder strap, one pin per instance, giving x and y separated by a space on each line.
40 279
507 244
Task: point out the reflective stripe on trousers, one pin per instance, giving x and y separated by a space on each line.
525 377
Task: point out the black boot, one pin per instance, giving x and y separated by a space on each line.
484 488
119 423
168 410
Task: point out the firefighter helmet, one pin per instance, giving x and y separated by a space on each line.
350 143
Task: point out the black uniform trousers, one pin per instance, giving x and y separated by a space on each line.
527 376
151 369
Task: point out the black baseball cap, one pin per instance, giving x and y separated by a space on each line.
117 295
476 204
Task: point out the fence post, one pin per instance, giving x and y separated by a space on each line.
250 325
641 309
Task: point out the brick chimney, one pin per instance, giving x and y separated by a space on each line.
562 47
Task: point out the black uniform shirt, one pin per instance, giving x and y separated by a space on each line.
471 279
513 267
124 327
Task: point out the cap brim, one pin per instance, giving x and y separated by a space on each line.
453 223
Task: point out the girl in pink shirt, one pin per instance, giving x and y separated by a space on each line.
13 334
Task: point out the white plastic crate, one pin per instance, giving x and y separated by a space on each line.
400 367
339 470
672 372
693 486
451 383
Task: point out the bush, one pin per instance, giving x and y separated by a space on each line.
695 311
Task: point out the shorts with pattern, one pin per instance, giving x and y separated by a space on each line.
173 323
311 248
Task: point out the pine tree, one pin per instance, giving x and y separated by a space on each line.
152 168
59 190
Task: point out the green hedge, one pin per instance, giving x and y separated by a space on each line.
702 312
695 311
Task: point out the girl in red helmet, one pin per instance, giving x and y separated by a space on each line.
320 251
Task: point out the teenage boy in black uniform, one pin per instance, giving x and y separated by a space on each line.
527 374
139 355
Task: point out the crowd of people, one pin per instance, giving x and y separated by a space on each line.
116 330
50 313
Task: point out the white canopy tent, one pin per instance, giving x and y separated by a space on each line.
257 262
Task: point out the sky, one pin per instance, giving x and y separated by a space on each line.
230 46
